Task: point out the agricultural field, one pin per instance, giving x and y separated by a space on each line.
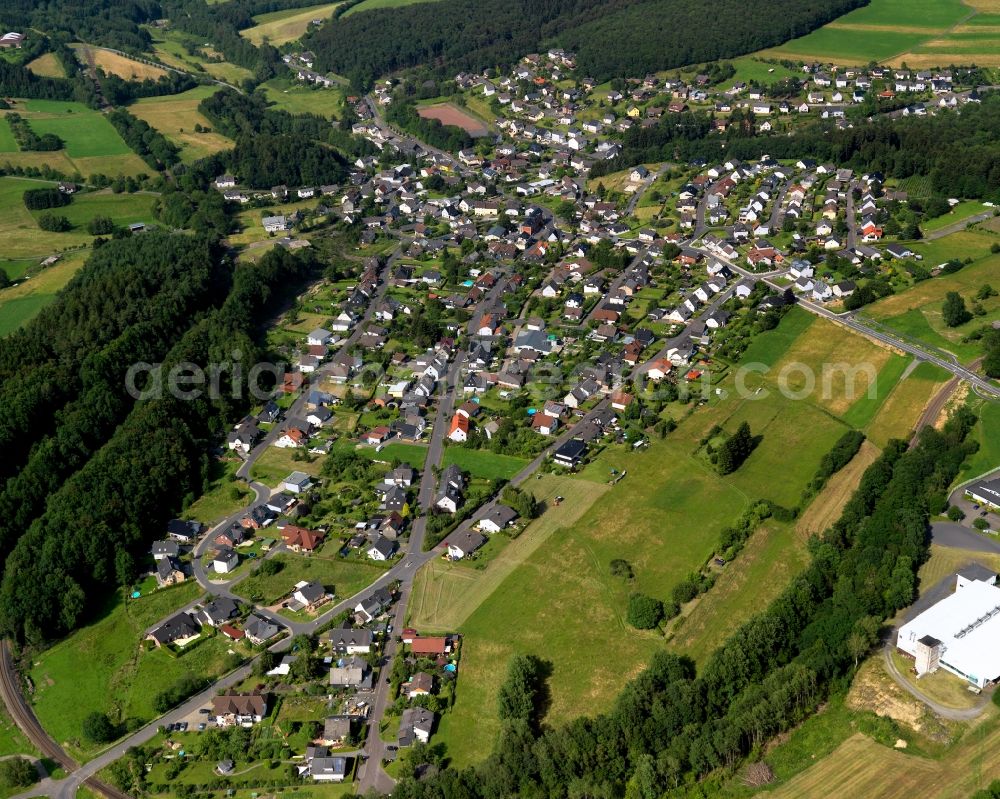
121 679
48 66
646 519
900 411
892 31
964 210
916 312
115 64
23 237
183 51
771 558
369 5
298 98
19 304
280 27
175 116
92 144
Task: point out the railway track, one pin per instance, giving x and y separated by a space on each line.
25 718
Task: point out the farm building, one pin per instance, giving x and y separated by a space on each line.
961 633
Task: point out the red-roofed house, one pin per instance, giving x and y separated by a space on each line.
459 430
300 539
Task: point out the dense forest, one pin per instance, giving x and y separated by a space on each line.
672 727
612 38
99 485
113 23
273 146
959 151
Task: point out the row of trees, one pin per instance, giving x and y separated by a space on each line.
672 726
27 139
147 142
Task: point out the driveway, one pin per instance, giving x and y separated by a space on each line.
955 535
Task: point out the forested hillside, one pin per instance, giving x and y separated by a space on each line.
91 476
613 38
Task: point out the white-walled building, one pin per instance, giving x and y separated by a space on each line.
961 633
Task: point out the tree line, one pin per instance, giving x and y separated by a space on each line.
672 728
147 142
612 38
101 483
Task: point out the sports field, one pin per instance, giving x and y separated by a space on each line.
115 64
921 33
279 27
92 144
450 114
176 116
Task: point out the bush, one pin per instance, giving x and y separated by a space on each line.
955 513
684 591
621 568
981 524
98 728
18 772
53 223
954 312
101 226
644 612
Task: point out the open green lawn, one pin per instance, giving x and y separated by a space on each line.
87 132
769 347
753 70
916 312
987 433
481 463
277 463
345 576
299 98
7 142
92 144
959 212
12 740
101 667
368 5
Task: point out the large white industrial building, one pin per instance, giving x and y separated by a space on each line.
961 633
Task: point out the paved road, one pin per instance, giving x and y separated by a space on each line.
960 225
957 536
982 385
